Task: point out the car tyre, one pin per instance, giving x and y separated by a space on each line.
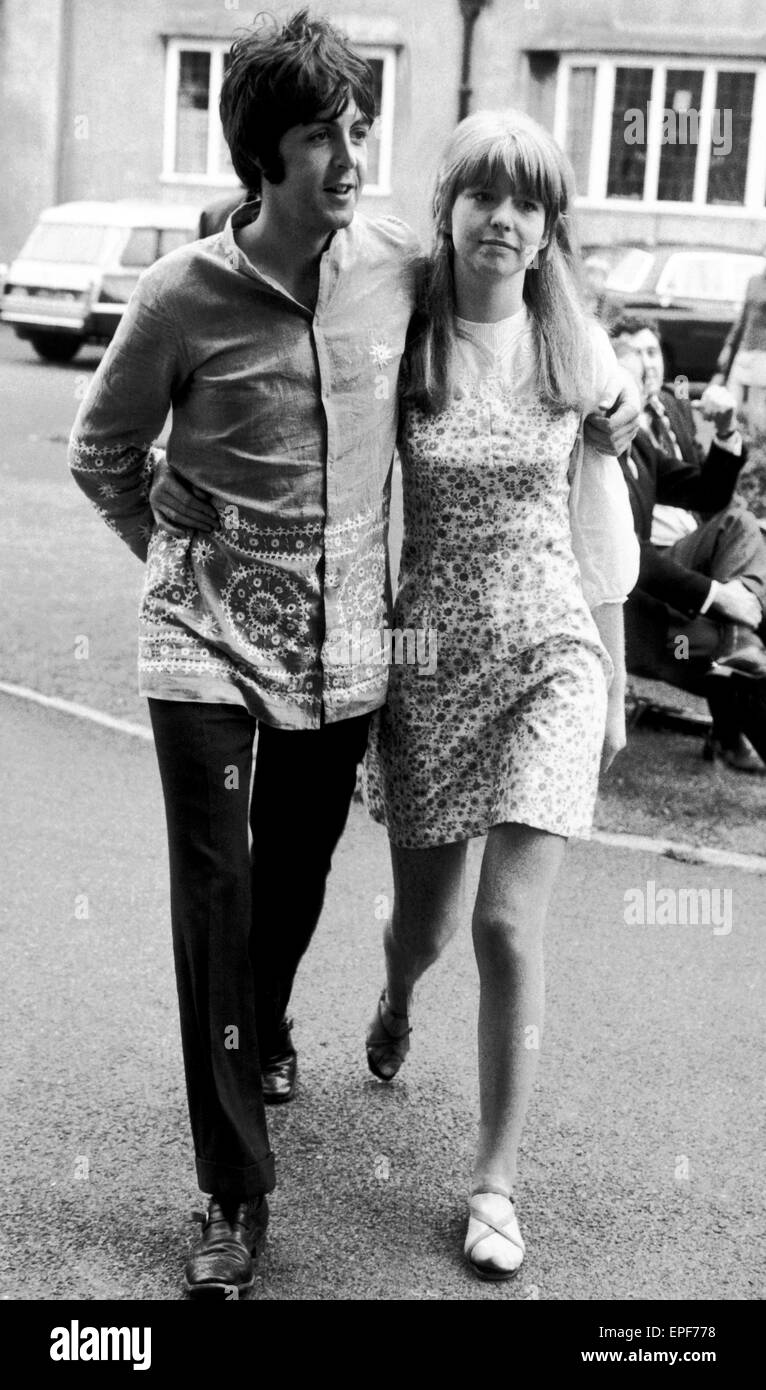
56 347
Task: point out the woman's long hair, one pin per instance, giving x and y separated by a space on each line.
483 145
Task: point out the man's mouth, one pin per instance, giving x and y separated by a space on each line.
341 188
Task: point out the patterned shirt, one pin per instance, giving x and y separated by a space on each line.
288 420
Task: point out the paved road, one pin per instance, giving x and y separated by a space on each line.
642 1163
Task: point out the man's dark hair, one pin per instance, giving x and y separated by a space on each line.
634 323
283 77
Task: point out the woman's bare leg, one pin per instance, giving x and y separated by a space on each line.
428 898
517 876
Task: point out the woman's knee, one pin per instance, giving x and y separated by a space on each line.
507 935
421 937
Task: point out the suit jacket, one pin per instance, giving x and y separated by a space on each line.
214 217
701 487
679 413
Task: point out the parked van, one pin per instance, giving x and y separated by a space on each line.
74 275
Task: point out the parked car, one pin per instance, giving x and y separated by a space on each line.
694 292
75 273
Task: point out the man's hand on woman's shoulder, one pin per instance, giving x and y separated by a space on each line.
613 432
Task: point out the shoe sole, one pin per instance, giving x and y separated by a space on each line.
279 1100
229 1292
499 1276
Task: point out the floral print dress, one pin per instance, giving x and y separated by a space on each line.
507 723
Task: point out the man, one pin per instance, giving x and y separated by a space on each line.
278 345
702 582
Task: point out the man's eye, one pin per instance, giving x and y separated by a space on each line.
360 134
318 136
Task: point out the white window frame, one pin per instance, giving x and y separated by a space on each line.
385 120
216 177
213 175
596 197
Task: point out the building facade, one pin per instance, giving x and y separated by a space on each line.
662 108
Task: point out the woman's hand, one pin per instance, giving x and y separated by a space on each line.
179 507
615 737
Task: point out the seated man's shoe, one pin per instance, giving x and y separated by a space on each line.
280 1069
222 1261
742 756
742 651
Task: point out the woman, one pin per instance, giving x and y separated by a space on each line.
742 361
504 738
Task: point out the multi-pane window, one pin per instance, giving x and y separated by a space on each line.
728 168
668 132
582 83
627 160
194 147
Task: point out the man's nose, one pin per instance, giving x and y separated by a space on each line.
344 153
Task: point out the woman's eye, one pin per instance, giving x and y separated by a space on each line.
318 137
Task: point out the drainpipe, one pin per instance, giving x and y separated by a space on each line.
470 10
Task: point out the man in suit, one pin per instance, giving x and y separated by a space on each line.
701 593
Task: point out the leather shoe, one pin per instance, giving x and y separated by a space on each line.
221 1263
280 1069
742 651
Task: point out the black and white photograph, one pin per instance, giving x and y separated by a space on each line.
383 684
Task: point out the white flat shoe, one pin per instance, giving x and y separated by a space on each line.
493 1245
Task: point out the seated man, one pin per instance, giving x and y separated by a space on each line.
702 583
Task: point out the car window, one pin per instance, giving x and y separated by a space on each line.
69 243
173 237
141 247
707 275
630 271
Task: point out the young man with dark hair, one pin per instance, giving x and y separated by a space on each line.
277 343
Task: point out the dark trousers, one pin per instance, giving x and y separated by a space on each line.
242 917
730 545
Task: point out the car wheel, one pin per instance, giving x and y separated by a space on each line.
56 347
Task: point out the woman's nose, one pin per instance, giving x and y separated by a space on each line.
503 213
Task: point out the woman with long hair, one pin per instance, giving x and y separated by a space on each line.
504 738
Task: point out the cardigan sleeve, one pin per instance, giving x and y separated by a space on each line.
127 403
603 533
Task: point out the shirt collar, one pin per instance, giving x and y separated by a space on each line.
237 260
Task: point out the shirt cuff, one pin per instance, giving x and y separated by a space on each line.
732 445
712 594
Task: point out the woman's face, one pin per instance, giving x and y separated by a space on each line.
496 230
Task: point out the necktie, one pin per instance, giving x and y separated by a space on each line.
662 430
